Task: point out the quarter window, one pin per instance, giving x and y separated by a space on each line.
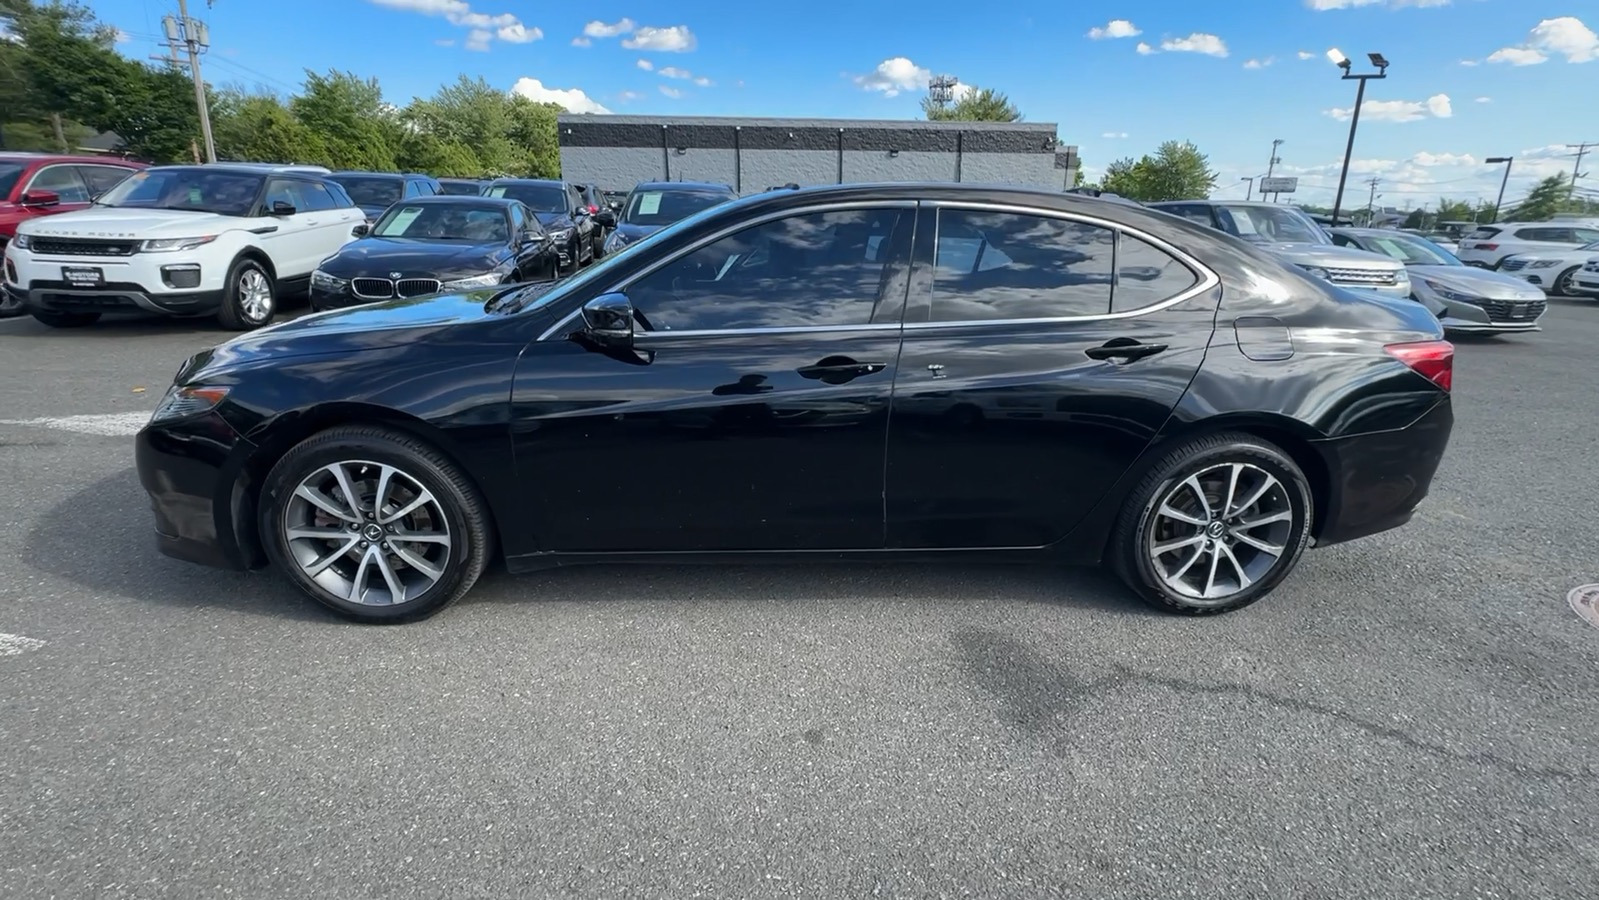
811 270
996 265
1146 275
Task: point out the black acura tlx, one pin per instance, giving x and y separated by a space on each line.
858 371
435 244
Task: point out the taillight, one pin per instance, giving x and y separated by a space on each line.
1433 360
593 208
1485 246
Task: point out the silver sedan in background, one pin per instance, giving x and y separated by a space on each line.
1464 298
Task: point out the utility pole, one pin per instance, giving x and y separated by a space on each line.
1371 203
1249 194
1576 170
1271 166
195 38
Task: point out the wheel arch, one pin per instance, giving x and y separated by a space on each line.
1293 437
285 431
257 255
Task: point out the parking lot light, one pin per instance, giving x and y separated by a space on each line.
1381 62
1494 161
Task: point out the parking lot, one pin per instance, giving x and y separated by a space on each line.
1409 715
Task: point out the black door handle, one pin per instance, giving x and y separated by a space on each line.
839 369
1125 349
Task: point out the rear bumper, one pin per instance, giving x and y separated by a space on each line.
1378 479
190 472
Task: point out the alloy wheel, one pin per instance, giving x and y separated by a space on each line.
1219 531
367 533
255 295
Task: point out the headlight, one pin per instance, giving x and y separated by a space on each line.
560 234
476 281
321 279
20 242
168 245
1450 293
181 402
1317 272
1403 277
1543 264
615 242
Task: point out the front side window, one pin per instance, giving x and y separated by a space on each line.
545 198
64 181
665 207
1000 265
369 190
183 188
315 197
811 270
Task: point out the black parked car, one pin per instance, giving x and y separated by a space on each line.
561 211
654 205
604 216
375 192
436 244
862 371
461 187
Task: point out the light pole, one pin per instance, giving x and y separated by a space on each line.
1494 161
1354 120
1250 194
1271 165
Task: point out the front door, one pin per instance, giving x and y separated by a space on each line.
753 412
1041 356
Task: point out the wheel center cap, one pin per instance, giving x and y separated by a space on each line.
1215 529
372 533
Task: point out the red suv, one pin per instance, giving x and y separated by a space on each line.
42 184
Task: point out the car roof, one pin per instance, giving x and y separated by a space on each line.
553 182
457 199
1371 232
29 156
253 167
381 174
699 187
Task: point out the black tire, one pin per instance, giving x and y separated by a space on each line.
1564 283
598 253
57 319
1139 527
236 313
458 499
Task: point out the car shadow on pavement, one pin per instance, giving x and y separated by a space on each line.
119 558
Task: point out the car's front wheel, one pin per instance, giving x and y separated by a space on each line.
249 298
1215 525
1566 283
374 524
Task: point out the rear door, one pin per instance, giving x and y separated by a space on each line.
1042 353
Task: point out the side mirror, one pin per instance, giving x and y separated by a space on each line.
616 206
580 212
608 320
361 230
41 198
282 208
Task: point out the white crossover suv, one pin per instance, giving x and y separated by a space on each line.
1553 270
1491 245
225 239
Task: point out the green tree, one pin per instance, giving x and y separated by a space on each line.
534 132
983 105
358 130
1548 197
260 127
1177 171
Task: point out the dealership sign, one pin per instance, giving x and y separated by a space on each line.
1278 185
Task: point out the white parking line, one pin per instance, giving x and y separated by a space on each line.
108 424
14 644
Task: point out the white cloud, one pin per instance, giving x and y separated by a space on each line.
672 92
1305 54
1565 36
1470 62
598 29
445 42
1115 28
1114 135
1437 105
629 96
1485 99
893 76
123 37
646 65
1443 159
572 99
672 39
675 72
485 27
1144 49
581 41
961 91
702 81
1260 63
1198 42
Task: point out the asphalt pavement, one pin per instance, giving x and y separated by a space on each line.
1412 715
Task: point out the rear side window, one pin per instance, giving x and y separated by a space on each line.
1482 234
995 266
1146 275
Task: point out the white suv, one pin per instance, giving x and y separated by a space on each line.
224 239
1488 246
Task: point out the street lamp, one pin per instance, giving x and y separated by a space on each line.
1343 62
1494 161
1250 193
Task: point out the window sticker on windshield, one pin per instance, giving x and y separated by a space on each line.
194 195
649 204
403 219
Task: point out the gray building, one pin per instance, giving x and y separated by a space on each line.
753 154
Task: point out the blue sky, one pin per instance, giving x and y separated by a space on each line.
1469 78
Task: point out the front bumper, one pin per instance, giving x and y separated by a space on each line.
1585 282
324 299
1378 479
162 283
191 471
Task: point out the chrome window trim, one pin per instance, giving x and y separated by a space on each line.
715 236
1208 279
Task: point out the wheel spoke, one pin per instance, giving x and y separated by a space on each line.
323 502
1266 484
1243 577
1175 579
1169 546
381 498
416 562
363 574
1263 546
1192 483
422 499
320 565
1232 489
420 537
1252 524
1171 512
319 534
396 586
351 499
1210 580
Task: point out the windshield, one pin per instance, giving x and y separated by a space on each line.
369 191
545 198
444 222
9 173
666 207
201 190
1271 224
1410 250
460 188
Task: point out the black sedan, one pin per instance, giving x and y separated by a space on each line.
862 372
563 213
654 205
435 244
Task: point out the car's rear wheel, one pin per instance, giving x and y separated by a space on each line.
249 298
1215 525
57 319
375 524
1566 283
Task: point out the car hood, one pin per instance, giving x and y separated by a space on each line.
1325 255
1480 282
412 256
631 232
113 222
